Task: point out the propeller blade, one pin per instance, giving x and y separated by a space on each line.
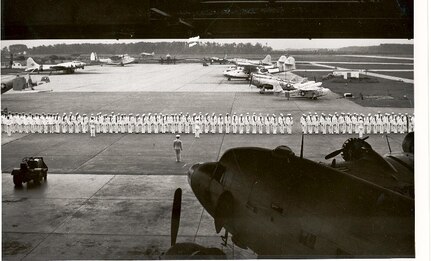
365 138
333 154
176 215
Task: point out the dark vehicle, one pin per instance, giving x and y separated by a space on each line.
31 168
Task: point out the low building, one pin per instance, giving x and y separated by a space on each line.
347 74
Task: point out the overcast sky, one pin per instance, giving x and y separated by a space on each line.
274 43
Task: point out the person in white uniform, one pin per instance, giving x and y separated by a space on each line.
227 123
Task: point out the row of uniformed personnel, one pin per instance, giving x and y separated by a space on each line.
147 123
347 123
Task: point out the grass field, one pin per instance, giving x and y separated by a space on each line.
371 66
407 75
336 58
401 94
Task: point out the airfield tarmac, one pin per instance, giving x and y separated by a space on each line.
110 197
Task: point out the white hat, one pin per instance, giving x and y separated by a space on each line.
177 136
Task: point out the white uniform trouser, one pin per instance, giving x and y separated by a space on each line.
92 131
289 128
197 131
304 128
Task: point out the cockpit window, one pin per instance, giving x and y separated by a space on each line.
208 168
218 173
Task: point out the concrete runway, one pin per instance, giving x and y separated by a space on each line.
143 78
111 195
101 217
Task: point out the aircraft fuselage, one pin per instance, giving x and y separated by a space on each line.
280 205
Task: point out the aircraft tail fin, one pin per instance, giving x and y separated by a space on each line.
280 63
267 59
290 63
31 64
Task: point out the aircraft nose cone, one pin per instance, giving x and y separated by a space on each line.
190 172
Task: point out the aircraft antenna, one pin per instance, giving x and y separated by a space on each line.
302 146
389 145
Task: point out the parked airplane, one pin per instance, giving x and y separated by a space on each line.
120 60
281 205
243 72
7 83
67 67
243 62
309 89
268 81
304 89
246 67
147 54
215 59
168 60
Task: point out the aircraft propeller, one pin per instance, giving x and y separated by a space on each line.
335 153
354 148
176 215
186 250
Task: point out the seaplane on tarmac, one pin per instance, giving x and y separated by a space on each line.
281 205
244 68
67 67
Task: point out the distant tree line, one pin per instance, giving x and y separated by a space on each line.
158 48
72 51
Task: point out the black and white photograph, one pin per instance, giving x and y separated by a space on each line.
212 129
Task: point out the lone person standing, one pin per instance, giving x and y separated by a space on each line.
178 147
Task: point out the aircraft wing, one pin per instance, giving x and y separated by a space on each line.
288 76
312 87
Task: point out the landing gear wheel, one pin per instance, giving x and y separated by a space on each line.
302 93
17 180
